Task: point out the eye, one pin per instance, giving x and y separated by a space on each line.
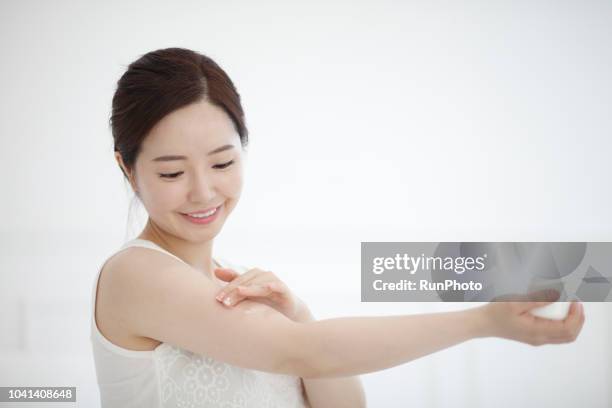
171 175
224 165
175 175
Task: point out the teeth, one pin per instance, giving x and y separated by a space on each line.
208 214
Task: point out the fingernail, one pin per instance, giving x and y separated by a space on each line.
227 301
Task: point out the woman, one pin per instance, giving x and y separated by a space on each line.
174 327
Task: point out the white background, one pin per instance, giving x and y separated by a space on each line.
369 121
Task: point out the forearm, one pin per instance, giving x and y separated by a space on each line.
332 392
348 346
343 392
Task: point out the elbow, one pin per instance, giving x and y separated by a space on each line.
308 368
300 357
298 367
307 352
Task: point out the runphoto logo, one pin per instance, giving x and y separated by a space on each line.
412 264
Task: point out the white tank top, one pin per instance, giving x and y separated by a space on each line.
171 377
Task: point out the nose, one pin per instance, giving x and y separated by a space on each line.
202 189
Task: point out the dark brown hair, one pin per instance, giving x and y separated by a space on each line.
161 82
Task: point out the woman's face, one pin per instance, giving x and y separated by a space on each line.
206 175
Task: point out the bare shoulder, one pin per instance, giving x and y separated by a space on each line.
148 296
119 279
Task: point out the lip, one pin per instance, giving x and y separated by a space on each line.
202 211
206 220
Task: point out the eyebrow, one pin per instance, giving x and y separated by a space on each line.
178 157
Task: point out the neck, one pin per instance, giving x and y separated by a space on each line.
196 254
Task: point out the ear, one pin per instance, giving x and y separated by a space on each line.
126 171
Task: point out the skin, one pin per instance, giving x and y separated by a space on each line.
265 326
265 287
194 131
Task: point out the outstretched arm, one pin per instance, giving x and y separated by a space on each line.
356 345
348 346
163 299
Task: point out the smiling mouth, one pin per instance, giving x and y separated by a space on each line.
203 214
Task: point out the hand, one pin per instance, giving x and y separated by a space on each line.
264 287
512 320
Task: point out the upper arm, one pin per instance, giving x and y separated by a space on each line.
163 299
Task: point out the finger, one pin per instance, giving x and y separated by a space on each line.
240 280
571 325
243 292
544 295
226 274
575 318
510 297
254 290
540 298
573 314
561 331
272 286
277 286
250 289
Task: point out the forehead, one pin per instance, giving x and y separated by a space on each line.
195 129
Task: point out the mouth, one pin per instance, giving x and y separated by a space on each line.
203 216
203 213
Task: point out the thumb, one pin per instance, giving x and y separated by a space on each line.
225 274
540 298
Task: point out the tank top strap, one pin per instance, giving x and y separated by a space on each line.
139 242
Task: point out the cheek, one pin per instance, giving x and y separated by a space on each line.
162 196
232 184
